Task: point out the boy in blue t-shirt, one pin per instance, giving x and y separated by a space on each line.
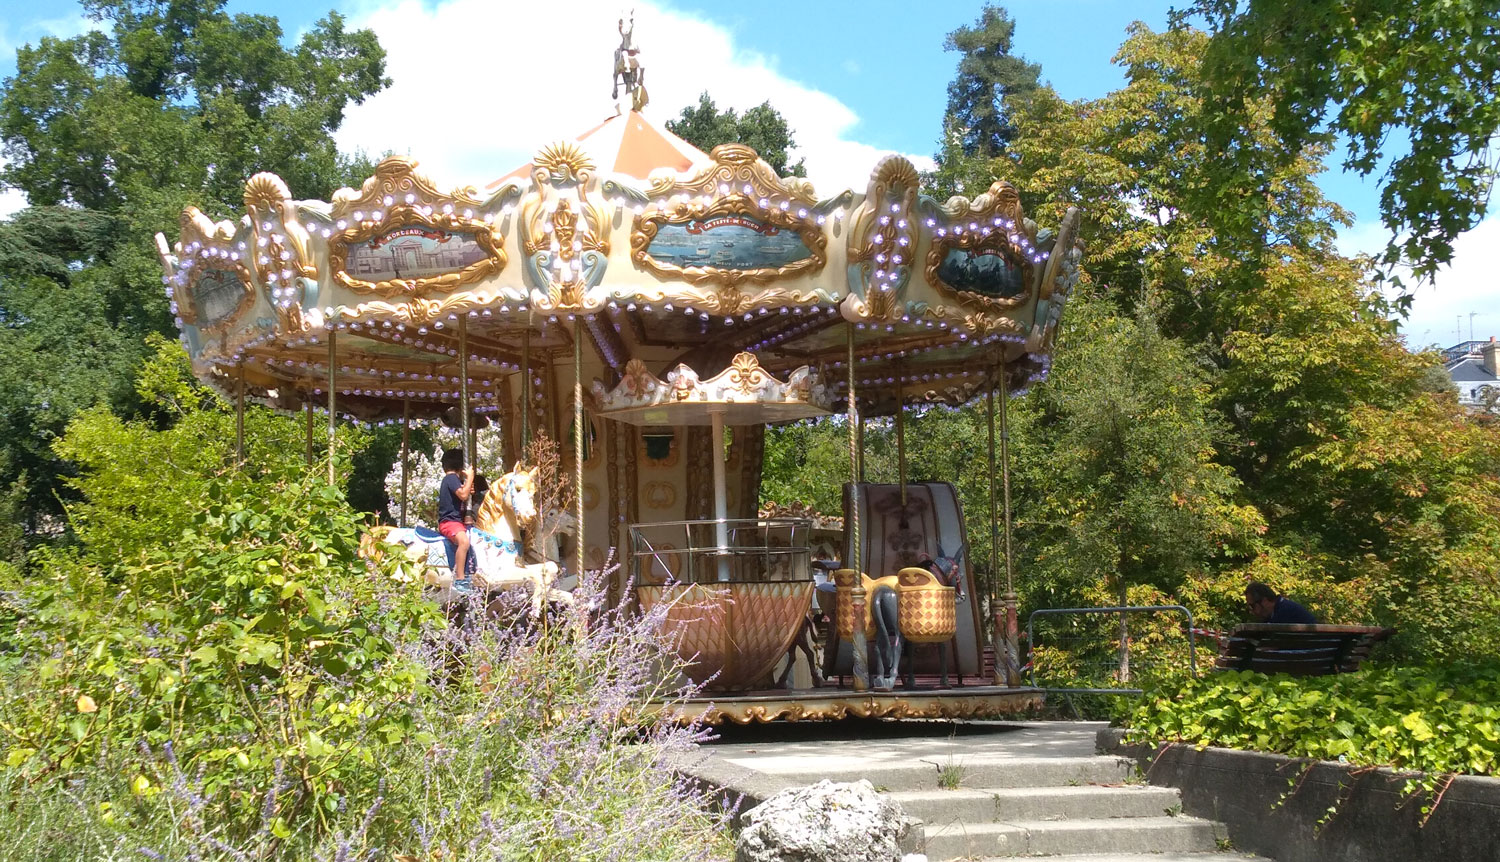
453 497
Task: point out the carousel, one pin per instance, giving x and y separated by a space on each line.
654 308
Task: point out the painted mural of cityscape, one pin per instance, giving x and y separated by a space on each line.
727 242
985 271
216 295
412 252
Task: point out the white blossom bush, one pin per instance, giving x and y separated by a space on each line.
426 474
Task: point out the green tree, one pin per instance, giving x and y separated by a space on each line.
110 134
762 128
978 124
1409 85
1335 433
1120 460
180 96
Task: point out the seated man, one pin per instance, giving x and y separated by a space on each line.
453 497
1268 607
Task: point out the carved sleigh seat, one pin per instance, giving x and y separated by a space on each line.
894 538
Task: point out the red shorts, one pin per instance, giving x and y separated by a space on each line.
451 529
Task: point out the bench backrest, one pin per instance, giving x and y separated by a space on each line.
1300 650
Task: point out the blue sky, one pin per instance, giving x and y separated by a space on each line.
855 79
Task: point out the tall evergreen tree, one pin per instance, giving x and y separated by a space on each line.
978 127
987 73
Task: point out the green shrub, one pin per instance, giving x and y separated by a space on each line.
213 672
1436 721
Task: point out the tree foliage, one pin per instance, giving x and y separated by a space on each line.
1408 86
1333 467
109 135
762 128
180 96
978 125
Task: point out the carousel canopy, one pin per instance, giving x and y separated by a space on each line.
657 256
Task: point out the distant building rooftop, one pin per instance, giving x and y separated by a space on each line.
1472 366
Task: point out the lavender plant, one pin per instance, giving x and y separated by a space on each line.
214 674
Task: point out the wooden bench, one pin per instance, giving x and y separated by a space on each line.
1299 650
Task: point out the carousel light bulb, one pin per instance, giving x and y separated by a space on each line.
359 215
802 213
378 216
822 219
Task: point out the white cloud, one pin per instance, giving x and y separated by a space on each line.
12 201
479 86
1440 310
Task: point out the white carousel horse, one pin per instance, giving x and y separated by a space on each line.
494 542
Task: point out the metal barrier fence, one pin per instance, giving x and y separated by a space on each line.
1087 650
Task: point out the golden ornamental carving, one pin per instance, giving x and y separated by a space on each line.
883 240
564 160
564 229
419 310
397 177
738 185
831 706
638 380
266 190
745 373
660 495
397 198
991 224
282 255
188 296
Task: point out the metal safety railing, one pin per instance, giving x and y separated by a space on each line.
718 550
1088 648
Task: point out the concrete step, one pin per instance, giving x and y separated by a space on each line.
991 773
1221 856
1060 837
1009 804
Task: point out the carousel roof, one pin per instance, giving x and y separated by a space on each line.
629 144
641 246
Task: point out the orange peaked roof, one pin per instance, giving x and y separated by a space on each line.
628 144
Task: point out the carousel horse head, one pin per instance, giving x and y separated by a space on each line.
518 493
510 504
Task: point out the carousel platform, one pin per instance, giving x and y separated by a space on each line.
832 703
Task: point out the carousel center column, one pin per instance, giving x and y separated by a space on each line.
721 495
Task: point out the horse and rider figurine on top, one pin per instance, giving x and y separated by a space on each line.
629 72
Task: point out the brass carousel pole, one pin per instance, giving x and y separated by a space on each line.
901 437
333 416
578 432
463 391
405 453
239 415
1012 636
857 595
525 388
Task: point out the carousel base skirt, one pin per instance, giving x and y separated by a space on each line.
831 703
